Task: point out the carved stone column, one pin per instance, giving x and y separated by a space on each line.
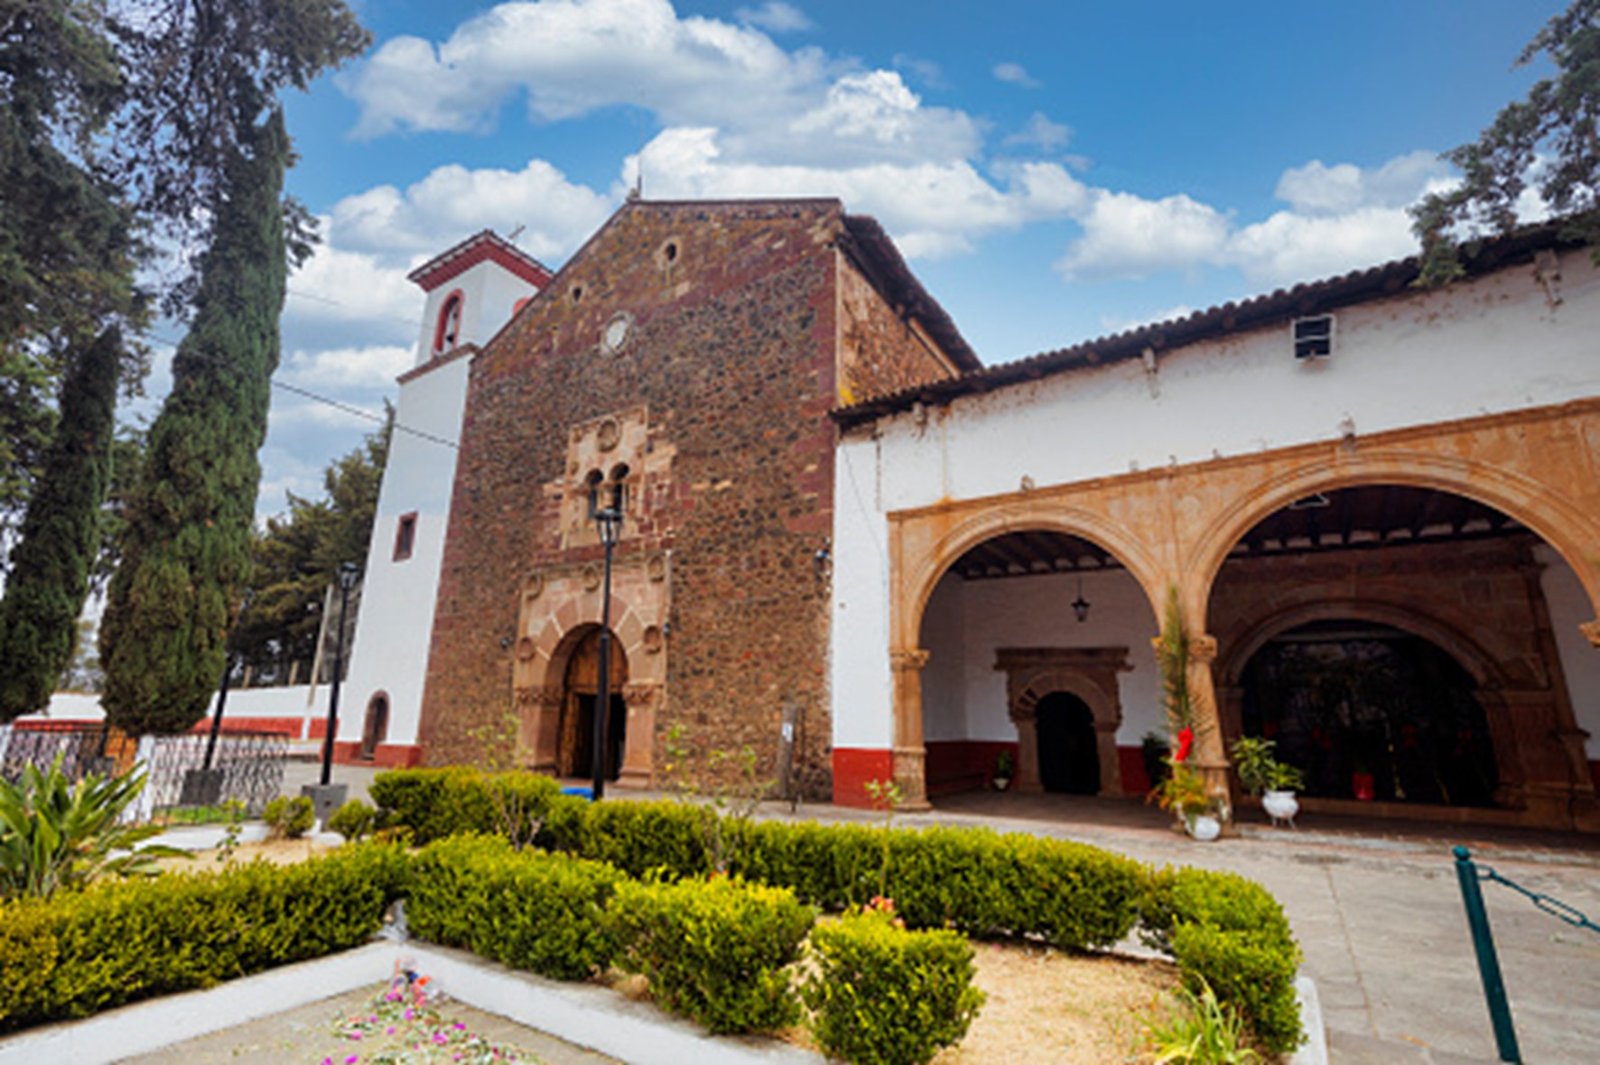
539 720
1026 718
909 754
638 752
1210 755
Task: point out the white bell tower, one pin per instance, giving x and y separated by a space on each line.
472 290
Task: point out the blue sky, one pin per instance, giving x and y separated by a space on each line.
1053 172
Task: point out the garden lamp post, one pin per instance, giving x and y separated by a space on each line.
228 663
608 521
347 580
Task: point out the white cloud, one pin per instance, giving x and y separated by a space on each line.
1113 324
1014 74
337 287
573 56
1127 236
372 367
1289 247
453 202
774 16
932 208
1042 133
1341 217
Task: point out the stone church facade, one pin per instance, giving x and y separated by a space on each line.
849 545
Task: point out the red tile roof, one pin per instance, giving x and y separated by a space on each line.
1283 305
485 245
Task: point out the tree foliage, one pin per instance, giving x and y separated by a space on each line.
298 555
187 550
60 537
67 253
1548 141
209 154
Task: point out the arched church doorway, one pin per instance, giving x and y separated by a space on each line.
1069 758
1029 611
579 703
1402 644
1369 711
375 727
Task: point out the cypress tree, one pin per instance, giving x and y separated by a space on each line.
188 538
60 535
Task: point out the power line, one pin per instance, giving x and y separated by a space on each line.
326 400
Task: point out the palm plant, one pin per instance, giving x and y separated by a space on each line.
56 835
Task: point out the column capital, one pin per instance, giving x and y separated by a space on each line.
908 659
1591 632
1203 648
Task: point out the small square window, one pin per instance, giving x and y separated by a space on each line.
405 536
1313 337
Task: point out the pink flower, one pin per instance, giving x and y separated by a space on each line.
460 1027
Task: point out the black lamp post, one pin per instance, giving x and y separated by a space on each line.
347 580
608 520
222 690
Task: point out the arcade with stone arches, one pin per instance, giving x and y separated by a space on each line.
1411 618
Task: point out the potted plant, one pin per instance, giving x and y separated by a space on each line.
1184 794
1264 776
1004 767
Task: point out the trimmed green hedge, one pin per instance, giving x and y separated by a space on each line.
529 910
1233 935
886 996
123 940
715 951
1222 928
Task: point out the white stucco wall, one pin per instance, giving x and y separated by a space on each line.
964 697
390 650
489 295
1492 345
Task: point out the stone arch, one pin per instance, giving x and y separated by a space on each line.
1537 504
1090 673
919 575
559 608
1231 661
915 573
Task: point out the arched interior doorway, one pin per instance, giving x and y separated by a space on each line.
579 699
1069 759
375 727
1014 619
1400 644
1370 711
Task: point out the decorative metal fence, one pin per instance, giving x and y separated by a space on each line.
250 765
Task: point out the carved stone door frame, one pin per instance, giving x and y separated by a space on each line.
1090 673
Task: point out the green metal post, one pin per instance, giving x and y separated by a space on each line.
1494 988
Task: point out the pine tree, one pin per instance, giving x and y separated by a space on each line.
60 536
1550 140
187 546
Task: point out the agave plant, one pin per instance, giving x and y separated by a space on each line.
56 835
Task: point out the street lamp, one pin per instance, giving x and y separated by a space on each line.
347 580
222 691
608 521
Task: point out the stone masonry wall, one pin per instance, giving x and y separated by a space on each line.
879 351
729 359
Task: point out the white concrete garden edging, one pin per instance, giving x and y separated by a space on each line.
584 1014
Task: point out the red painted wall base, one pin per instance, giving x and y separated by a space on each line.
387 756
964 765
853 767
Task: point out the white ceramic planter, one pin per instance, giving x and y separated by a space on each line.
1204 827
1280 806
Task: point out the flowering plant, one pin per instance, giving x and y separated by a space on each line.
404 1027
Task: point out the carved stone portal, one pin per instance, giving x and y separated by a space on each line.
1090 673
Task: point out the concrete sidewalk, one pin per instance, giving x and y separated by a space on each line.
1375 905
